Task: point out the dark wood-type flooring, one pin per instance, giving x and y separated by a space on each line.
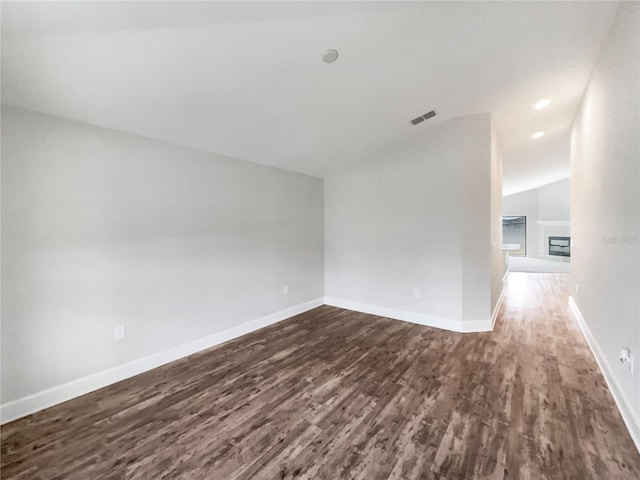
335 394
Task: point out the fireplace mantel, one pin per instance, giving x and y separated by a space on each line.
554 223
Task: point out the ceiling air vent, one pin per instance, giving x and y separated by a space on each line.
424 117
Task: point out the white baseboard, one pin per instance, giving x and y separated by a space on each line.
496 309
471 326
476 326
61 393
622 402
419 318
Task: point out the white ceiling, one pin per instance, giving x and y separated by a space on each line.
244 79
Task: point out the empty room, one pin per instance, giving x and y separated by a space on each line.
320 240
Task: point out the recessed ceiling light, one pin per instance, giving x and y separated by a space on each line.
537 135
542 103
330 56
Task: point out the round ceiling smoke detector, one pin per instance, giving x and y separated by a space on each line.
330 56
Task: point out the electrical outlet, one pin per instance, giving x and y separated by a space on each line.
416 293
626 359
118 332
285 290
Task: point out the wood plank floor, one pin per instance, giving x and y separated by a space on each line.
334 394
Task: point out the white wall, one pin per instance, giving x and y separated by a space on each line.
416 216
605 208
474 151
554 201
102 229
498 264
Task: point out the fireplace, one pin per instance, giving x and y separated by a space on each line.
560 246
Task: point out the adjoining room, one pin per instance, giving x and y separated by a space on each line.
536 228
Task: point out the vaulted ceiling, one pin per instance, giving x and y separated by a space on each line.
245 79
